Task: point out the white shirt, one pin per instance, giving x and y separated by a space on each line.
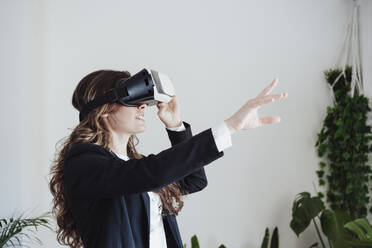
222 139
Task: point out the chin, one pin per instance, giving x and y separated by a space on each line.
141 130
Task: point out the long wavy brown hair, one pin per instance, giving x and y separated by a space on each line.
93 130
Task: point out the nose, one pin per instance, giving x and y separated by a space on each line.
142 105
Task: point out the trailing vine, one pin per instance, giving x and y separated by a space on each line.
343 143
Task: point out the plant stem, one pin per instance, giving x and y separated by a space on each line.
317 230
329 242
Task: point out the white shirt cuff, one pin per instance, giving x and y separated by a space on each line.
178 129
222 136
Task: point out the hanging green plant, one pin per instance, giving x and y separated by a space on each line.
343 143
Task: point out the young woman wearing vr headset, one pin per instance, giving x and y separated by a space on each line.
105 193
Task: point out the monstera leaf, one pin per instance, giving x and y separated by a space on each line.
362 229
304 209
344 232
333 222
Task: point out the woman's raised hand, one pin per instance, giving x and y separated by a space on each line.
169 113
247 117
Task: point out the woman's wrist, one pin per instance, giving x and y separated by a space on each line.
177 124
230 126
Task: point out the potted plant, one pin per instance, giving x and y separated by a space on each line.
339 228
13 230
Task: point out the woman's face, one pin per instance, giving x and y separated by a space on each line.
126 120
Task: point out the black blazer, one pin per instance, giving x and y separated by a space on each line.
107 195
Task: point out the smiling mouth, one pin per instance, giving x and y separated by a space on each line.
140 118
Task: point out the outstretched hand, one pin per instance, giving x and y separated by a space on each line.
247 117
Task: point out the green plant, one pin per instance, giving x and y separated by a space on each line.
344 142
339 228
274 243
12 230
361 228
195 243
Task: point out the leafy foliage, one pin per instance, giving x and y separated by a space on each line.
343 142
339 228
13 230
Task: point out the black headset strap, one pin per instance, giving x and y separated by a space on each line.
110 96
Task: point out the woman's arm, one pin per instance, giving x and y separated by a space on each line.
90 171
197 180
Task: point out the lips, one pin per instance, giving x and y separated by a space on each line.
140 117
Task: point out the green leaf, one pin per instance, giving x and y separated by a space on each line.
344 243
361 228
12 230
359 116
322 165
265 241
349 188
320 195
321 150
320 173
346 155
339 133
329 110
304 209
332 224
194 242
274 243
339 122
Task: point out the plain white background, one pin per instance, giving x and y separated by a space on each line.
219 54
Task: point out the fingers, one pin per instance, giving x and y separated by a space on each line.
276 96
174 99
270 119
172 102
269 88
256 102
161 105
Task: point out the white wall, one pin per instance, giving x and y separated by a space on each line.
219 54
22 95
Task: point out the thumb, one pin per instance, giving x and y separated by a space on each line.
161 104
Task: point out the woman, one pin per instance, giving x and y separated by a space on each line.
106 194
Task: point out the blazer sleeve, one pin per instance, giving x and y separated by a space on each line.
93 174
197 180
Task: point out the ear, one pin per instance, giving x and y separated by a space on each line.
104 115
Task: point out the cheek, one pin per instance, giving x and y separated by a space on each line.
125 114
120 119
126 121
127 117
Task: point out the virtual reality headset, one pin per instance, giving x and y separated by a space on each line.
146 86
